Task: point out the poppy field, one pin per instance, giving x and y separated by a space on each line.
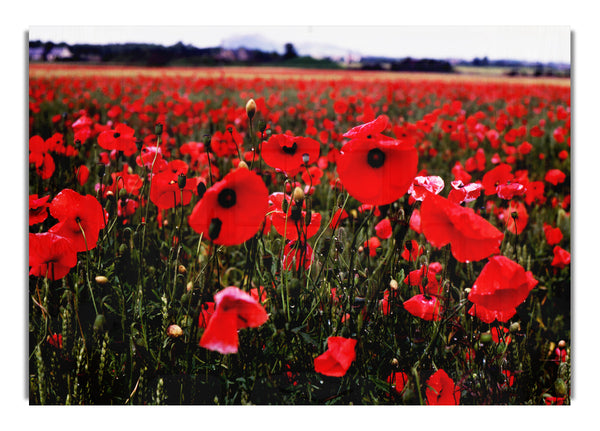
280 236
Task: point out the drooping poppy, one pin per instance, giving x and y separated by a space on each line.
377 171
38 209
338 357
50 255
424 306
234 310
81 217
501 287
288 153
232 210
470 236
441 390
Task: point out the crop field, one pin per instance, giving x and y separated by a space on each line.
235 236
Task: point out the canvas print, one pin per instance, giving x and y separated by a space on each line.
299 216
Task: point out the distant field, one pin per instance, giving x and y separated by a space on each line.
57 70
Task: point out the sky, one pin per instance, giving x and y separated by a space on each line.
544 43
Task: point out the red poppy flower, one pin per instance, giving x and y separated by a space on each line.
38 209
312 176
415 221
234 310
562 257
470 236
398 380
535 193
424 306
121 139
418 277
464 193
412 251
515 217
294 222
166 193
55 340
501 287
287 153
82 173
377 171
371 245
383 229
50 255
420 186
295 254
509 190
232 210
501 174
39 157
553 234
338 357
555 176
75 213
441 390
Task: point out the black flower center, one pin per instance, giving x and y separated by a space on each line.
290 150
214 229
375 158
226 198
116 135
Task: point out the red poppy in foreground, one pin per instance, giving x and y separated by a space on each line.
470 236
80 218
441 390
234 310
377 171
424 306
337 358
287 153
500 288
232 210
50 255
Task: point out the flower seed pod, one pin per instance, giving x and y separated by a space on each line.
251 108
181 181
242 165
298 194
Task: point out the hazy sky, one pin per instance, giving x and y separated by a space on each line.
534 43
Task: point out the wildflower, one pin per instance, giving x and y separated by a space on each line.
234 310
232 210
441 390
338 357
50 255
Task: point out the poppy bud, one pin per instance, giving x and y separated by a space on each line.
562 344
251 108
189 286
206 141
174 331
181 269
394 362
262 125
181 180
99 322
101 279
514 327
284 206
298 194
243 165
307 217
561 387
139 144
158 129
393 284
101 170
201 189
122 250
340 200
122 194
485 337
